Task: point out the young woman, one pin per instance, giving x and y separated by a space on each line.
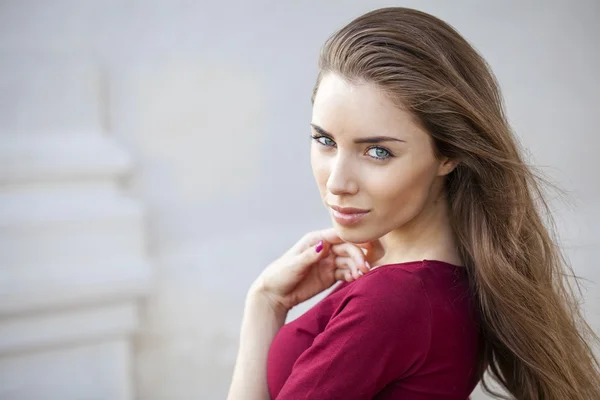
438 236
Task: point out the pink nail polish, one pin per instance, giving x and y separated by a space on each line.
368 265
319 246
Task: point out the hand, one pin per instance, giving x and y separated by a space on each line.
312 265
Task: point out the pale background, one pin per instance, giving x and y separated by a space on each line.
154 158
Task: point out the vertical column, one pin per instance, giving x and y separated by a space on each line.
72 257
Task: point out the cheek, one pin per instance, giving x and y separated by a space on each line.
320 168
403 190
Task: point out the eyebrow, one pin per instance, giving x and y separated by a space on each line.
371 140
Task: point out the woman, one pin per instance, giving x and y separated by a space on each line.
448 270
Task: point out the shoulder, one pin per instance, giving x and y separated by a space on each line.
392 280
389 291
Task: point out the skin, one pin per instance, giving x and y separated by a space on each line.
399 181
306 269
407 218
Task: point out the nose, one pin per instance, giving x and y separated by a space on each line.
341 179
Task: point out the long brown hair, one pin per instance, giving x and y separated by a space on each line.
537 345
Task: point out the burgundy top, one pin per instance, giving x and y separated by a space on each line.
402 331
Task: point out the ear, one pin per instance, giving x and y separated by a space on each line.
446 166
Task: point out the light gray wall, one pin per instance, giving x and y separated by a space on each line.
212 99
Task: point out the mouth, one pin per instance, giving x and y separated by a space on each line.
347 216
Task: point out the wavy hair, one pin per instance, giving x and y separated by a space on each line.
537 344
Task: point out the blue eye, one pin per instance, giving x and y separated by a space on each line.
379 153
324 140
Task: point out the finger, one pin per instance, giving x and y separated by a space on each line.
338 274
348 276
352 257
312 239
351 250
310 256
365 247
348 264
343 275
328 260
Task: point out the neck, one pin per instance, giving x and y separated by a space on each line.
428 236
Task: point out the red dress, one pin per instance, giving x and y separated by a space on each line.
402 331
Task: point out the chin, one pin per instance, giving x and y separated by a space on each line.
355 234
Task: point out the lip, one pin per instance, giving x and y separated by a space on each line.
347 215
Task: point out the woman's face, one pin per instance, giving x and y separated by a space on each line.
375 167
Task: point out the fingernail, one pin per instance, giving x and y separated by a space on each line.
368 265
319 246
360 273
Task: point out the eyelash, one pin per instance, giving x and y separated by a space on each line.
390 154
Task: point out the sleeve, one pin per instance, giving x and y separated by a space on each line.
379 333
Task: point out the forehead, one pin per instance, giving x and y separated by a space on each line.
359 108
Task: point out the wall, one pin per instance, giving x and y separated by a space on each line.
210 102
